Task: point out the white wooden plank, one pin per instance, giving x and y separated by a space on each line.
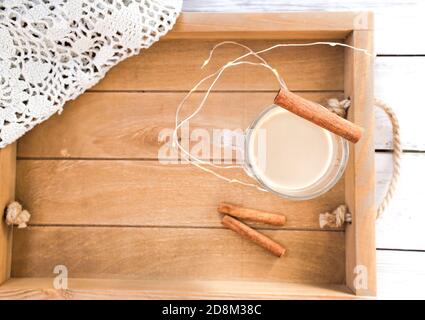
399 81
399 24
402 225
401 274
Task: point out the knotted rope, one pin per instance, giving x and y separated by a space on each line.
397 151
15 216
336 218
339 107
340 215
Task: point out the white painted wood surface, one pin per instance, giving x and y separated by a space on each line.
401 226
399 80
401 274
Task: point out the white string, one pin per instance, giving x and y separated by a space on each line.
217 74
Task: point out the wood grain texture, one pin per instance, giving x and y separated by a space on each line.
399 24
160 67
359 175
128 125
400 274
7 194
168 254
403 217
147 193
83 289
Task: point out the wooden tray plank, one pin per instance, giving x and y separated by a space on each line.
147 193
209 254
391 74
82 289
127 125
391 284
175 65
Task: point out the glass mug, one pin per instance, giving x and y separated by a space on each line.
292 157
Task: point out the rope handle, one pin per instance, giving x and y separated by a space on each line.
341 215
397 152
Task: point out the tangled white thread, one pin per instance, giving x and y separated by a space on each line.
215 77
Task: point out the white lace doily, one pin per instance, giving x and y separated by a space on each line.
51 51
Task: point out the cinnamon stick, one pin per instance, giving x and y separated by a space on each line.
251 214
253 235
319 115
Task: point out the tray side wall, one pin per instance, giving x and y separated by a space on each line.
81 289
279 25
360 182
7 194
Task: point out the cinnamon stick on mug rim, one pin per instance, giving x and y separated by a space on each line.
251 214
319 115
253 235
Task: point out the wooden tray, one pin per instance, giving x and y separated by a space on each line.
126 226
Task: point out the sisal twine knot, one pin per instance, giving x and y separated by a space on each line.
338 107
15 216
336 218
